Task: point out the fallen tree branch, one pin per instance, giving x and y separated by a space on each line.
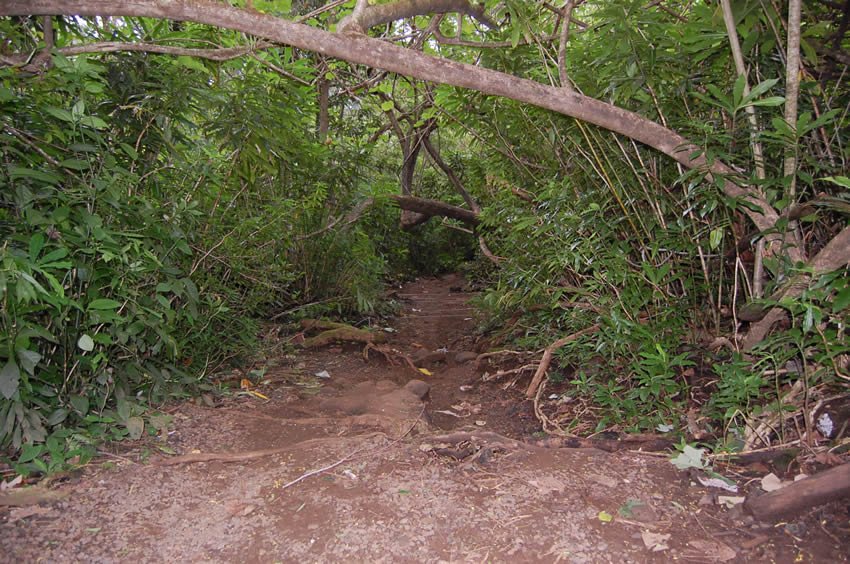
488 437
502 373
431 208
547 357
390 355
484 356
643 442
830 485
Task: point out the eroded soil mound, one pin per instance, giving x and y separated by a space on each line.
381 462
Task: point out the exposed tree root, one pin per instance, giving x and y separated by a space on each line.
488 438
647 443
333 332
220 456
464 439
392 356
194 457
549 426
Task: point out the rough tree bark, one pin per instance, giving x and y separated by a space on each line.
430 208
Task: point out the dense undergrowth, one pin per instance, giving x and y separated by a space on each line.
156 210
145 240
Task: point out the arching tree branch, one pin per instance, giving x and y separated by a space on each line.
361 49
218 54
431 208
366 16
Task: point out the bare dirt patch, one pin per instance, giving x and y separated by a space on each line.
358 468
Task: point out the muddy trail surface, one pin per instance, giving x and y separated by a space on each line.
380 462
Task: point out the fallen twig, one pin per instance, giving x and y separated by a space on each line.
547 357
484 356
500 373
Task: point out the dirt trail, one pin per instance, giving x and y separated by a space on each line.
389 497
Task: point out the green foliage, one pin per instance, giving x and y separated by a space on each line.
156 209
97 304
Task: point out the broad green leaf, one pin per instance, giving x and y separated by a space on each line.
842 181
16 172
135 427
103 303
36 244
86 343
54 255
29 452
79 109
715 238
57 417
29 360
75 164
387 106
60 113
94 122
129 150
80 404
759 89
842 300
769 101
738 90
9 378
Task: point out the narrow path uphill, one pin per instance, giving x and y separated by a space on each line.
375 462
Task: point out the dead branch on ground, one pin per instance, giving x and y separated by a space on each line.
832 484
547 357
502 373
487 355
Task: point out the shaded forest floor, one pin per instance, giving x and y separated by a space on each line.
352 468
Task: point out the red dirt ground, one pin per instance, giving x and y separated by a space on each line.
386 494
